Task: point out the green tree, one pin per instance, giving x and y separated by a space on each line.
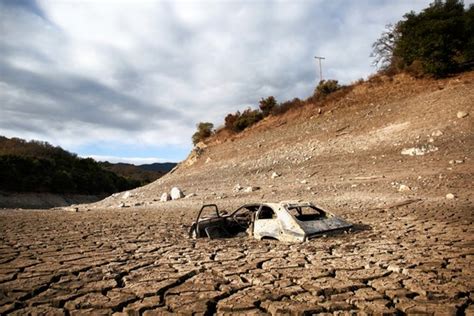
437 41
382 48
62 182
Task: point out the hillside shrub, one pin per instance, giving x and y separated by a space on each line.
286 106
238 121
267 105
326 87
230 119
204 130
248 118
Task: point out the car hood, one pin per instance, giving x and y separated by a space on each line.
323 225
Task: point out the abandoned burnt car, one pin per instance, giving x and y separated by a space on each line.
284 221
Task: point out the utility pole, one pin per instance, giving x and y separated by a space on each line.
320 68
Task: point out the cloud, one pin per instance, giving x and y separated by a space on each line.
141 74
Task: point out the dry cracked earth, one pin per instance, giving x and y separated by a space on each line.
140 261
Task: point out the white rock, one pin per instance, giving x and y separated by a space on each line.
208 159
394 268
462 114
237 188
437 133
251 189
126 195
176 193
450 196
275 175
419 151
403 188
304 181
165 197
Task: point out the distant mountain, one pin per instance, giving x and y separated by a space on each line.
144 173
159 166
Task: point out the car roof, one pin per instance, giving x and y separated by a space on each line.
278 204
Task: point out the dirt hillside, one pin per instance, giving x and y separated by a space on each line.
351 152
392 156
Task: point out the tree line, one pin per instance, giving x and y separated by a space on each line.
36 166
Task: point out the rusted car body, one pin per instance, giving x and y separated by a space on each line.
284 221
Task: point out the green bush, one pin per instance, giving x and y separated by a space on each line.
267 105
230 119
287 105
204 130
237 122
325 88
248 118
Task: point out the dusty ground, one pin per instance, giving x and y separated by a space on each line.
413 258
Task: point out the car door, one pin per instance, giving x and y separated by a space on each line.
266 223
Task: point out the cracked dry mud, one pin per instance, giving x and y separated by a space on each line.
141 262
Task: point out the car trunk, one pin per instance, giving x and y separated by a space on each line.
320 226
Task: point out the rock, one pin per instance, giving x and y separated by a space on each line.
237 188
251 189
462 114
419 151
403 188
452 162
208 159
165 197
450 196
126 195
275 175
437 133
394 268
176 193
304 181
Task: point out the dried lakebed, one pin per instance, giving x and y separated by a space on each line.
413 259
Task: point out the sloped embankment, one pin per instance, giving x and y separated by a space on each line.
349 151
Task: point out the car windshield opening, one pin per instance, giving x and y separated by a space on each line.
306 213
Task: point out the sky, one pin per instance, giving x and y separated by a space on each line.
128 80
